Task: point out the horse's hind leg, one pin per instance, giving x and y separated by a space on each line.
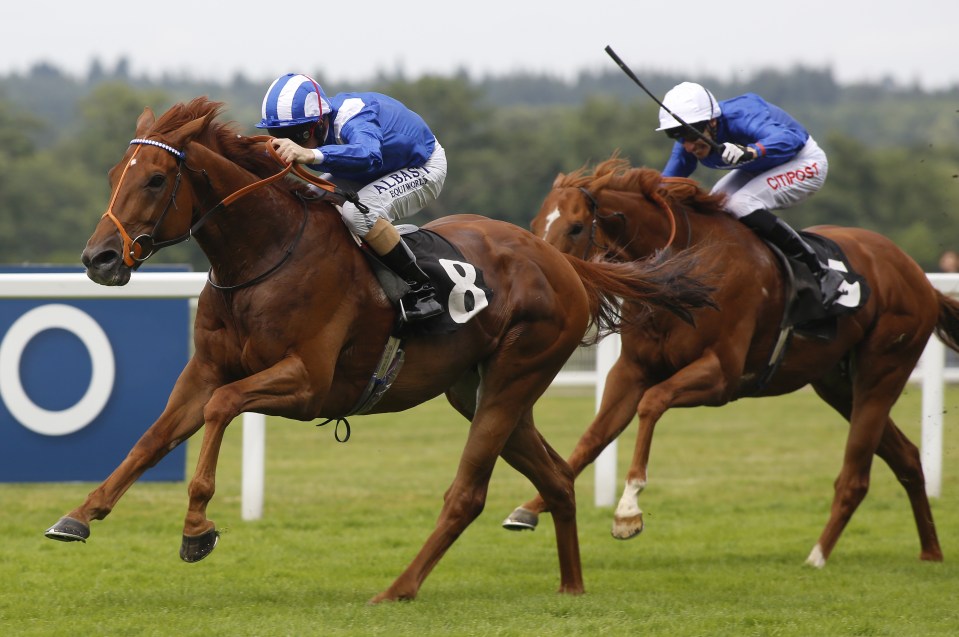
867 417
501 424
532 456
617 409
903 458
466 496
529 453
872 431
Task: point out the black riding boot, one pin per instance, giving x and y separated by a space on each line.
776 231
420 302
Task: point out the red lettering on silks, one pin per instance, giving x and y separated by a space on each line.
789 177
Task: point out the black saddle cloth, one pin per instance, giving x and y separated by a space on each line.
460 287
805 309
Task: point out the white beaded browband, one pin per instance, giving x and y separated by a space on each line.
179 154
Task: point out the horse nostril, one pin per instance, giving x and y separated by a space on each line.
102 260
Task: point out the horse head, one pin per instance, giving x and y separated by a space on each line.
150 205
618 211
566 220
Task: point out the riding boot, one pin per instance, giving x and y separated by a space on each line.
420 302
776 231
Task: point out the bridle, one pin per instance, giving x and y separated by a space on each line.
595 211
138 250
133 249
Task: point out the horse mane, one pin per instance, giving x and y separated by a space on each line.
616 173
221 137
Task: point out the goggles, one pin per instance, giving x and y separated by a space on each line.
299 133
681 133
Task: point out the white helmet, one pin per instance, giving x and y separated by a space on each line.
691 102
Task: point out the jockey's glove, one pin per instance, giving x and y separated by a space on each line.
734 154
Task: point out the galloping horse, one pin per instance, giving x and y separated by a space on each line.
666 363
293 323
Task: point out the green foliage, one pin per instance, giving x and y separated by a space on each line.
894 163
108 118
737 497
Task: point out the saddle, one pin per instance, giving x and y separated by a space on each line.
804 313
804 309
460 287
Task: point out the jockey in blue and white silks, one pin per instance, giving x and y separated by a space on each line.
370 143
773 161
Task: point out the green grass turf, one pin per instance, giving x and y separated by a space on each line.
737 497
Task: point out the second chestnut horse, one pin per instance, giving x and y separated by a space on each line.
666 363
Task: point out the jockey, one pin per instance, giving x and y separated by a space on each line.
375 145
774 163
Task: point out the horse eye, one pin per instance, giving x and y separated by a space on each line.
576 228
156 181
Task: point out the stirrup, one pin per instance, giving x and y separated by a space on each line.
419 303
829 282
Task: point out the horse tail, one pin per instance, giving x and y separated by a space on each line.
947 329
660 281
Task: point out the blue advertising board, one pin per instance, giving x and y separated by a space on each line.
81 380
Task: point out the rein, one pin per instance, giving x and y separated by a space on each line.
276 266
595 210
138 250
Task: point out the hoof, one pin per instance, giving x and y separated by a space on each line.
816 559
68 530
521 520
626 528
195 547
389 596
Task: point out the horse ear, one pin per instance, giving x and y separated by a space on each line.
558 179
145 122
186 133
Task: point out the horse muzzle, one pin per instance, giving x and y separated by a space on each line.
105 266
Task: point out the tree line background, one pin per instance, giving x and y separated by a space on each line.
893 151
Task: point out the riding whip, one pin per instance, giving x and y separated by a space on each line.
715 146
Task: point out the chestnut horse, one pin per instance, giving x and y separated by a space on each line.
666 363
293 323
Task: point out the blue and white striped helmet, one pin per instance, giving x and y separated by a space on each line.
291 100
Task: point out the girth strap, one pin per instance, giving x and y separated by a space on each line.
391 361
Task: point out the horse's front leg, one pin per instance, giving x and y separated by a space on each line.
700 383
284 388
181 418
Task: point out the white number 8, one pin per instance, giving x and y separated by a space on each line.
464 282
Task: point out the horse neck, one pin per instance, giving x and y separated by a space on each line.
645 226
649 229
244 238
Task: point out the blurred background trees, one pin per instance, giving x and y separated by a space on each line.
893 151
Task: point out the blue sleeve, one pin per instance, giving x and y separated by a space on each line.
362 147
680 163
770 131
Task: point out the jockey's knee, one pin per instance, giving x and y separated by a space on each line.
358 221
